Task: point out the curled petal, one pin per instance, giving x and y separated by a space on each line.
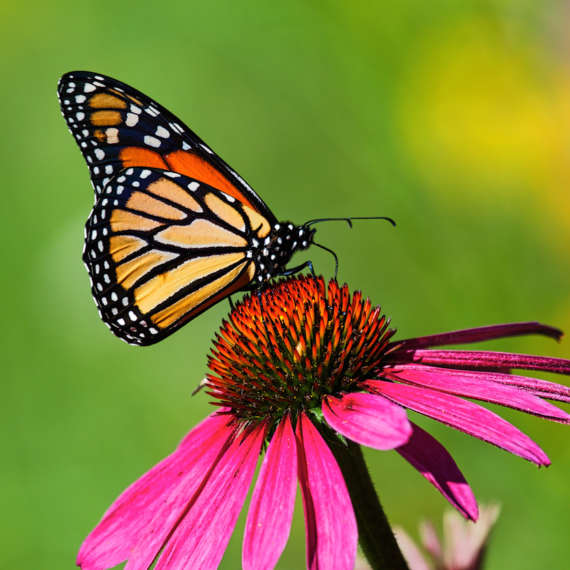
140 520
478 385
479 334
485 360
463 415
368 419
271 510
432 460
329 518
202 535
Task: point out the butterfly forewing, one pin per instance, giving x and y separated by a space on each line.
162 247
117 127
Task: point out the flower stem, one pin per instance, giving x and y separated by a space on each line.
374 533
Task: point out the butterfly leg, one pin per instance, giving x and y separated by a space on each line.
299 268
232 306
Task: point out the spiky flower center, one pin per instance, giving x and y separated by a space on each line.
286 347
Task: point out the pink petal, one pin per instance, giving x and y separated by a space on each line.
485 359
463 415
368 419
538 387
202 535
329 518
131 528
432 460
479 334
271 509
478 385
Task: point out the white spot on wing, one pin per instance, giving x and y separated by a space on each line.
112 135
162 132
152 141
131 120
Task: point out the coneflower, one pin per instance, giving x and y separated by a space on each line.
306 372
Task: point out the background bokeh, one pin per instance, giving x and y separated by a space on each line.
453 118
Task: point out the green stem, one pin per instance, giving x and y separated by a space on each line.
374 533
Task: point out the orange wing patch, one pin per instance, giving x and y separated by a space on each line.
193 166
106 101
106 118
156 290
136 156
122 221
122 246
129 272
211 292
258 223
148 205
224 211
168 189
200 233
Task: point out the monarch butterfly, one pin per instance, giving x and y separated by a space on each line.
173 229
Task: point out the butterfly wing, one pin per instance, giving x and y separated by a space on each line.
161 248
118 127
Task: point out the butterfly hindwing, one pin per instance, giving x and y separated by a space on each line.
161 248
117 127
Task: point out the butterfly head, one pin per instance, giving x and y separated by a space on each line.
272 254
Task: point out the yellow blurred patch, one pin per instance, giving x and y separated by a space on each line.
486 120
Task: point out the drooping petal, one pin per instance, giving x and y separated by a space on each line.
368 419
138 522
484 360
479 334
202 535
463 415
329 518
271 509
478 385
433 461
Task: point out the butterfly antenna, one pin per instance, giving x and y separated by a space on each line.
349 220
333 254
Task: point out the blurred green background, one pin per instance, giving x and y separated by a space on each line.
453 118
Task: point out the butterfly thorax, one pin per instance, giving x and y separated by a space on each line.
272 253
